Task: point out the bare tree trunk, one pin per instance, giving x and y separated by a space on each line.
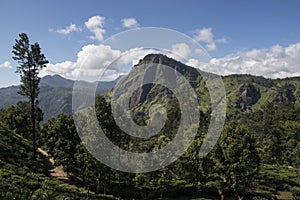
222 196
33 128
104 188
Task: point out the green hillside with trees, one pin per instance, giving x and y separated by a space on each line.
256 157
23 178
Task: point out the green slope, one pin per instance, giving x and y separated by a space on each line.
22 178
270 90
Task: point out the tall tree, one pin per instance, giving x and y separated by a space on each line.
236 158
31 61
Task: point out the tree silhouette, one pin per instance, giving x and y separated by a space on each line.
31 61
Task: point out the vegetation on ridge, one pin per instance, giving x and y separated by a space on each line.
256 157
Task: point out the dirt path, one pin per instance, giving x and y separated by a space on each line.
58 172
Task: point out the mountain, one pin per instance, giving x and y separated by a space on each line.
246 93
55 95
56 81
243 92
267 108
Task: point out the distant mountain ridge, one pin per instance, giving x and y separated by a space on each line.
55 95
56 81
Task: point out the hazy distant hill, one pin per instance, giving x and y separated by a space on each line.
55 95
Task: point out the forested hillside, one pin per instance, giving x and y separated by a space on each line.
22 178
256 157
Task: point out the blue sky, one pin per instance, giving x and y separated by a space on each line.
258 37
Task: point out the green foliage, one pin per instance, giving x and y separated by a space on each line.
296 193
257 156
18 118
64 145
22 178
38 186
276 129
236 159
61 138
278 178
31 61
231 169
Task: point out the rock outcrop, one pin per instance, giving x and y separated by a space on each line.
285 94
248 95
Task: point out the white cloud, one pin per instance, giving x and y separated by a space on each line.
69 29
95 24
63 68
222 40
199 51
130 23
182 50
6 64
91 62
94 60
132 56
96 56
275 62
205 35
211 46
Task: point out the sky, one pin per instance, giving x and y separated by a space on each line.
78 38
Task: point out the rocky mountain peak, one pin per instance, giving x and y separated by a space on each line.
150 91
170 62
159 59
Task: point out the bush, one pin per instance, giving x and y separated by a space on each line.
296 193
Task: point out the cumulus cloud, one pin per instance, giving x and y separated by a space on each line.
206 36
6 64
211 46
91 62
94 61
69 29
130 23
274 62
95 24
182 50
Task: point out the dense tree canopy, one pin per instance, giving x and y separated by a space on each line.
18 118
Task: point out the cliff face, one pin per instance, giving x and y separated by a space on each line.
248 95
150 91
285 95
244 92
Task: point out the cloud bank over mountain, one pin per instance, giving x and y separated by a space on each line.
92 61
